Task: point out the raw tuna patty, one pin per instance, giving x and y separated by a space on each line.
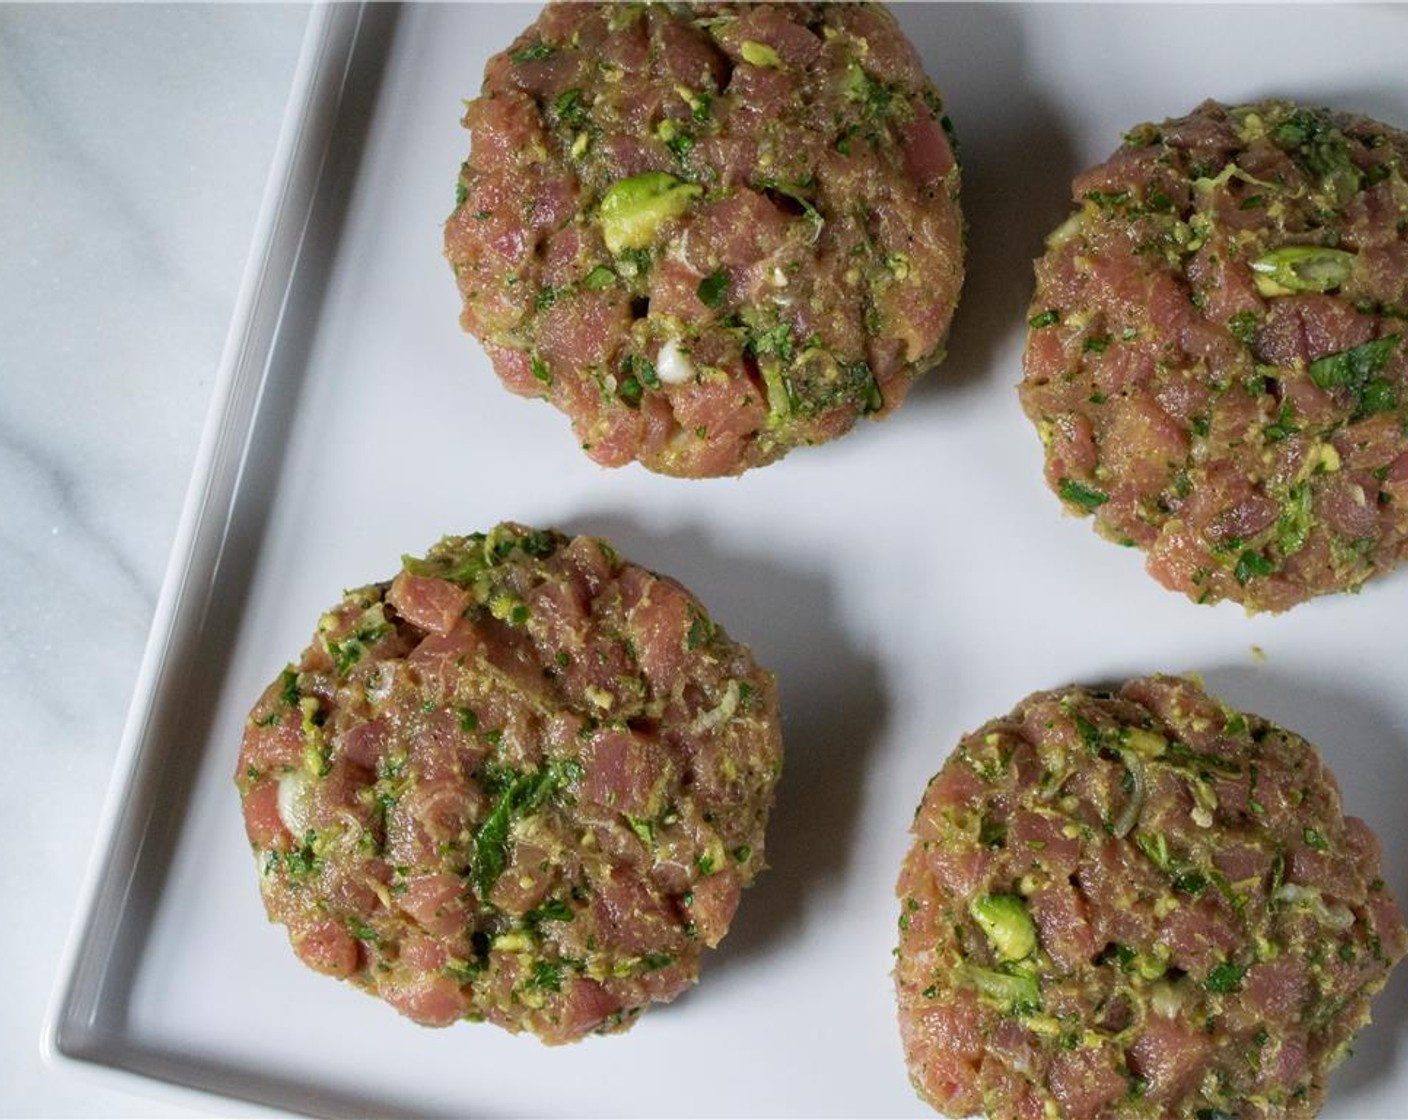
708 234
524 781
1218 356
1136 904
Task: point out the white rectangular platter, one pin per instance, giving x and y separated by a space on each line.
905 584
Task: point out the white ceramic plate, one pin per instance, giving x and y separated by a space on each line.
906 584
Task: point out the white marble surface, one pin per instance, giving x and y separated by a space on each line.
134 146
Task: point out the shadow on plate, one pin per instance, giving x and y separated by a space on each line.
834 708
1017 169
1368 754
254 1083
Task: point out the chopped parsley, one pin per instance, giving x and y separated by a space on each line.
701 628
1225 977
361 931
1282 427
1318 145
547 975
523 795
643 369
681 144
711 289
553 910
535 51
1077 493
630 391
1357 370
1106 199
1252 565
570 109
302 860
1048 318
1242 326
349 650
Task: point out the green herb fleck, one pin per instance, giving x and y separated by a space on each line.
535 51
547 975
570 109
288 688
630 392
349 650
1225 977
1283 426
1356 369
553 910
1380 395
361 931
1106 199
523 796
1077 493
1252 565
1242 326
711 288
643 369
1313 839
1048 318
303 860
681 144
701 628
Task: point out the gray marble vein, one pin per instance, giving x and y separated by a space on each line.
134 145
